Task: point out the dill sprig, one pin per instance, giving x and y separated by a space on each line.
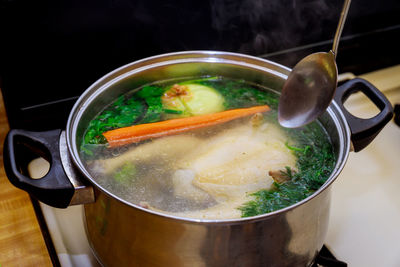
315 162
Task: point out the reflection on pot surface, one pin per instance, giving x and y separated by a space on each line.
118 232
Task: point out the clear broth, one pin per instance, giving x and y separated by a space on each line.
149 178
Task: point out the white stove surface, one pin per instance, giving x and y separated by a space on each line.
67 232
66 227
364 227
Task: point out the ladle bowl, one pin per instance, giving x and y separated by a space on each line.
308 90
311 85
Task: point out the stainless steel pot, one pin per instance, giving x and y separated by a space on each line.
124 234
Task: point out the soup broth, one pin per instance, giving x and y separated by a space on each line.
207 148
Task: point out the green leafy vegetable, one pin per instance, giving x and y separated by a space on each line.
316 161
172 111
121 113
239 94
126 173
152 96
142 107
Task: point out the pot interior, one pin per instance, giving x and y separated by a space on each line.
191 65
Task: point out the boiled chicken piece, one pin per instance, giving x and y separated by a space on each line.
223 169
231 165
183 186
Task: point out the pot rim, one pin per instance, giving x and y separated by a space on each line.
202 56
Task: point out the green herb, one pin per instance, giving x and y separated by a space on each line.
126 173
123 112
142 107
151 94
315 163
239 94
172 111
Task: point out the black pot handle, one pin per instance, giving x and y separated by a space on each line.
363 131
20 148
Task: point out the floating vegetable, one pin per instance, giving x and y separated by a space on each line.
142 132
192 99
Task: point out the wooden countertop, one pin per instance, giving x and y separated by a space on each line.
21 240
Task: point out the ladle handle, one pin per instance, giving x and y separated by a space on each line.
340 26
363 131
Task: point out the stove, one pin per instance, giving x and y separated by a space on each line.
365 206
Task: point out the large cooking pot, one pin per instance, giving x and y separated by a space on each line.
124 234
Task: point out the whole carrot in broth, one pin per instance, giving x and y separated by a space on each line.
137 133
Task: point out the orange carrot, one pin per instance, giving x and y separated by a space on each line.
137 133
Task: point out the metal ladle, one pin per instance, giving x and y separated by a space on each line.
311 84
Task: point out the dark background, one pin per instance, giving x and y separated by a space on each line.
51 51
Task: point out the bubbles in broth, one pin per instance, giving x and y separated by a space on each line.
206 148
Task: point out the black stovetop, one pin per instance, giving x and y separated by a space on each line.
51 51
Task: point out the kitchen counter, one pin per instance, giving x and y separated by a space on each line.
21 240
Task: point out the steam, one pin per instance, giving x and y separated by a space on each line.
265 26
